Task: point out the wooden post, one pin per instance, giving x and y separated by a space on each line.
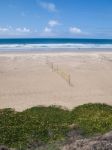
59 71
52 66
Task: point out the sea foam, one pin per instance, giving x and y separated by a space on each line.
48 46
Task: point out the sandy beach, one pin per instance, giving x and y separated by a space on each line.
26 79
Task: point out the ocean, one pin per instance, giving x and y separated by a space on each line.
52 44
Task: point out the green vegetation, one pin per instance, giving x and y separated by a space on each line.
48 124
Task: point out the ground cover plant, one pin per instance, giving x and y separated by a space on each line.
49 124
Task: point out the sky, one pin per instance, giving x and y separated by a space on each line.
56 18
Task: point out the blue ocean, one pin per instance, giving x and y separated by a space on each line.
51 44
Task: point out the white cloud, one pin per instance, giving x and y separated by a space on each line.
23 30
75 30
47 30
53 23
4 29
9 31
48 6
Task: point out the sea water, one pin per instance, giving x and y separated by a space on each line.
54 44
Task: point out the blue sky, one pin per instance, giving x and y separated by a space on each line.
56 18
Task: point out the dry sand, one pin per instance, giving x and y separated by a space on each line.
26 80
